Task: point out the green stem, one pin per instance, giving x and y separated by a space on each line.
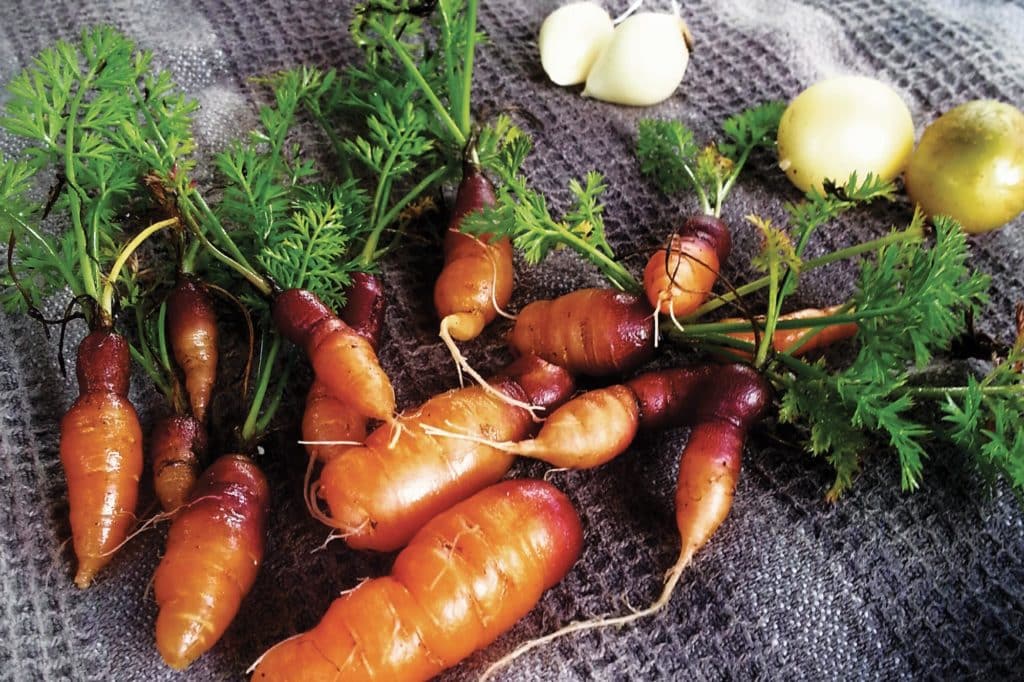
612 269
940 392
465 119
275 401
155 375
251 426
188 259
724 189
826 259
260 283
805 323
89 269
107 299
66 272
413 194
773 312
414 73
161 337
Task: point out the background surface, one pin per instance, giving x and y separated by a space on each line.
883 585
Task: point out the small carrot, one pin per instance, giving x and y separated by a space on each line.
596 332
192 328
101 451
328 421
787 340
584 433
177 443
214 550
465 578
733 398
381 493
476 281
343 360
679 278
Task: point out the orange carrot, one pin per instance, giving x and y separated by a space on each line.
679 278
477 277
101 451
733 398
192 329
466 577
177 443
381 493
786 339
590 331
586 432
214 549
343 360
329 420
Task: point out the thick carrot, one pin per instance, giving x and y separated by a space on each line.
214 549
342 359
478 274
177 443
785 340
466 577
101 451
381 493
328 421
596 332
733 398
192 329
679 278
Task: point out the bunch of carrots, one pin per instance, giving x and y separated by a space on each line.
292 254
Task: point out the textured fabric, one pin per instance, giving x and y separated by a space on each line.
883 585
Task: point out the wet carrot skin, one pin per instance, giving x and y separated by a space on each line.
595 332
476 269
177 442
679 278
545 384
379 495
342 359
465 578
666 398
101 452
734 398
192 330
328 419
214 549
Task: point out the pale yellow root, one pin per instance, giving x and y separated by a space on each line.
464 366
671 580
550 473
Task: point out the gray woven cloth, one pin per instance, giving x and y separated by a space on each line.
883 585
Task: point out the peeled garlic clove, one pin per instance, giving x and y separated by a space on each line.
643 63
570 40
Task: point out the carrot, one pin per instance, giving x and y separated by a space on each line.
177 442
466 577
667 397
584 433
192 328
733 398
590 331
679 278
365 305
381 493
343 360
214 549
476 281
805 339
327 421
101 451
